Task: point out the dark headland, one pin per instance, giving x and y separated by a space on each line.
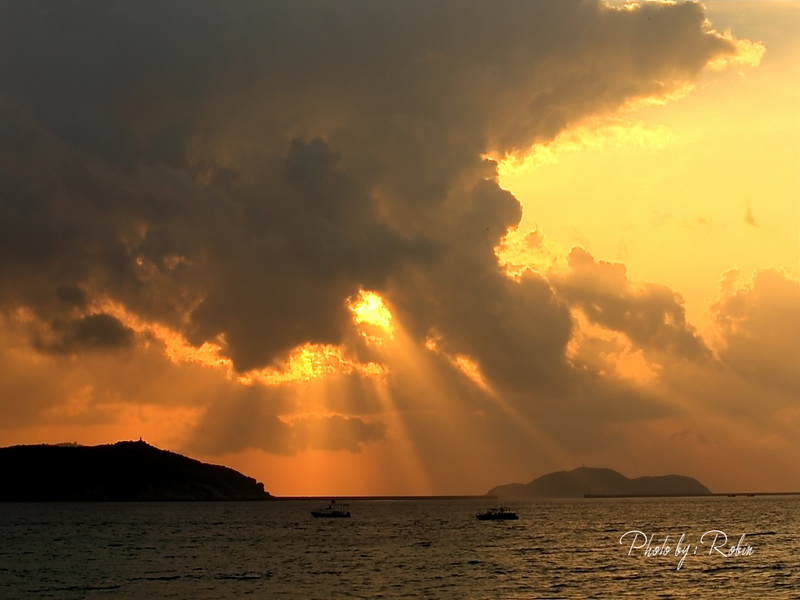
595 482
125 471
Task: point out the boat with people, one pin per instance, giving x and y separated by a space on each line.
332 511
497 514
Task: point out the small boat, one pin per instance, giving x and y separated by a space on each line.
332 511
497 514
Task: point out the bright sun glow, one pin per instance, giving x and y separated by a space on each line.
599 132
305 363
368 308
312 361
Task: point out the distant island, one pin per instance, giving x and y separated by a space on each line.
125 471
590 481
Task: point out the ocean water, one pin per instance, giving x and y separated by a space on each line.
403 549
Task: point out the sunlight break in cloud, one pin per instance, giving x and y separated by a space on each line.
253 198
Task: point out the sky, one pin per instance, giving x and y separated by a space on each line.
373 247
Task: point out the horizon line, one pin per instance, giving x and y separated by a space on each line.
495 497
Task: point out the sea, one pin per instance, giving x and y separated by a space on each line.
711 547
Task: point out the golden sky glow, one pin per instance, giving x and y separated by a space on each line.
431 265
690 189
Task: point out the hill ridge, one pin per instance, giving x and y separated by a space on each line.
123 471
600 481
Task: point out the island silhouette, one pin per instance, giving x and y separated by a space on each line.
136 471
124 471
592 481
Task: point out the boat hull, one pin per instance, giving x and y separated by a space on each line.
507 517
497 514
328 515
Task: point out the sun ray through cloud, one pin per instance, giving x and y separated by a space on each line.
507 233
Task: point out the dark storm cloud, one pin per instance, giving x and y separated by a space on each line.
237 171
652 317
96 331
306 237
